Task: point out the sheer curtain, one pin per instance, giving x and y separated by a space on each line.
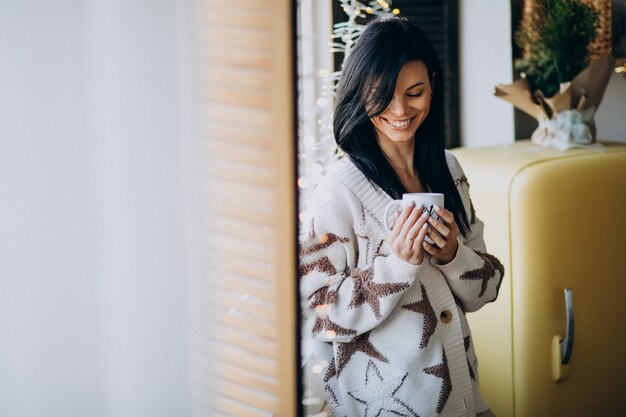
109 301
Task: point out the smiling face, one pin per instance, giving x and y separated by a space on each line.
409 105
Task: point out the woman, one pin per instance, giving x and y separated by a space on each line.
389 325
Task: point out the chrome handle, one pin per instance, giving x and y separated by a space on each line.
567 344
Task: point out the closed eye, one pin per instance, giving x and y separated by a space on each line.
415 94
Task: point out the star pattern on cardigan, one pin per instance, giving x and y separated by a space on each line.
324 323
442 371
370 253
338 409
367 291
486 272
322 265
324 241
430 318
360 343
322 296
461 180
378 394
378 251
331 371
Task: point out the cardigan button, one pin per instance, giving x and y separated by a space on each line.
446 316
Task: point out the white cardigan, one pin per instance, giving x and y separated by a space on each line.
389 335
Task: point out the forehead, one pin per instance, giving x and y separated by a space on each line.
412 72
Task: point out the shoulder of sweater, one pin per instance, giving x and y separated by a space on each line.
453 165
341 174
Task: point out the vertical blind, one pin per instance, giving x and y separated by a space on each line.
247 349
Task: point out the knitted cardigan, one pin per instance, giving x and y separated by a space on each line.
388 335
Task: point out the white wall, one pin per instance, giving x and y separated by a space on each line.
611 116
485 60
93 284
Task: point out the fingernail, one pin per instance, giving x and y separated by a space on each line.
436 207
411 203
425 214
420 206
425 225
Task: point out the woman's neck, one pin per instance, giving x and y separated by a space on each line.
400 157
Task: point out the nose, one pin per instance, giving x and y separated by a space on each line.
397 106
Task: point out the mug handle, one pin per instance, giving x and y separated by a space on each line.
391 204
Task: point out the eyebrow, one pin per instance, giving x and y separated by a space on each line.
416 85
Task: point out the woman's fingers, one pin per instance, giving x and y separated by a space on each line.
410 222
446 215
440 227
421 234
399 222
433 250
417 226
448 219
393 222
436 237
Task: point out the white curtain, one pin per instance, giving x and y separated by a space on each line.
99 182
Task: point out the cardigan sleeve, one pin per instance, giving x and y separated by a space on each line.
344 298
474 276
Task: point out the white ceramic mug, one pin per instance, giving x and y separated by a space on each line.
428 200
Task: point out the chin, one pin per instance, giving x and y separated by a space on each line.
400 137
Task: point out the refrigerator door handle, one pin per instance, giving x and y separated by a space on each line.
567 344
562 346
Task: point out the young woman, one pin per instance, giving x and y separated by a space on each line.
389 324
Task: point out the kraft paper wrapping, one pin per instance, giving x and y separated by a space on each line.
579 98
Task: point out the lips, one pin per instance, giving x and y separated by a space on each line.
399 124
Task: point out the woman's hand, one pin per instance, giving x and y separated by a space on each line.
407 235
443 233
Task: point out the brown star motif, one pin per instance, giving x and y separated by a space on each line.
322 296
461 180
323 241
367 246
486 272
360 343
441 370
322 264
327 324
331 371
367 291
430 318
378 252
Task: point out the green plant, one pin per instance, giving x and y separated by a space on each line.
555 40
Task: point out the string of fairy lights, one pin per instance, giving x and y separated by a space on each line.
316 141
318 149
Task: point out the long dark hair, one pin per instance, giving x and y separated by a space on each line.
376 60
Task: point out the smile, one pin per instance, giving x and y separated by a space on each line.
399 123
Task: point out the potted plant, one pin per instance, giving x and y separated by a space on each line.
561 86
